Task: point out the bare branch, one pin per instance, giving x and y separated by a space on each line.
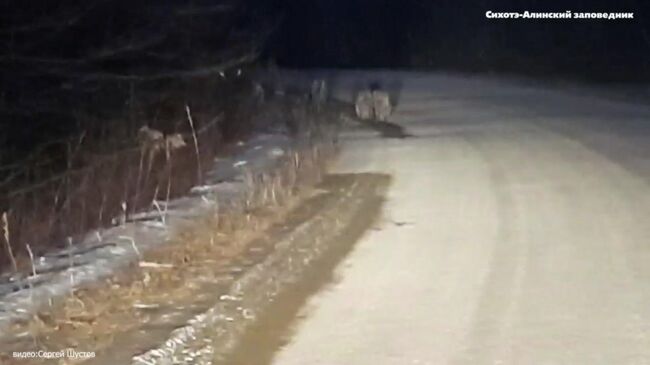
57 21
198 72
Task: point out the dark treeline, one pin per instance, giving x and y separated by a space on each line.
64 63
66 58
451 34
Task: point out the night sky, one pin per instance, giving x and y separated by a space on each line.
457 35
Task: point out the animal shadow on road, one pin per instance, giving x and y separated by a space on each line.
386 129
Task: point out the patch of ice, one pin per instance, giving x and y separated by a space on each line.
276 152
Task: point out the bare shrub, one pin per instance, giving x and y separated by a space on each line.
111 175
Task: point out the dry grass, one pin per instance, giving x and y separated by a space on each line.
106 175
91 319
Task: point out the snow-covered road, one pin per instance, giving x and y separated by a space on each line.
516 231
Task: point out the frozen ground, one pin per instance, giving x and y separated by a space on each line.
100 255
516 231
